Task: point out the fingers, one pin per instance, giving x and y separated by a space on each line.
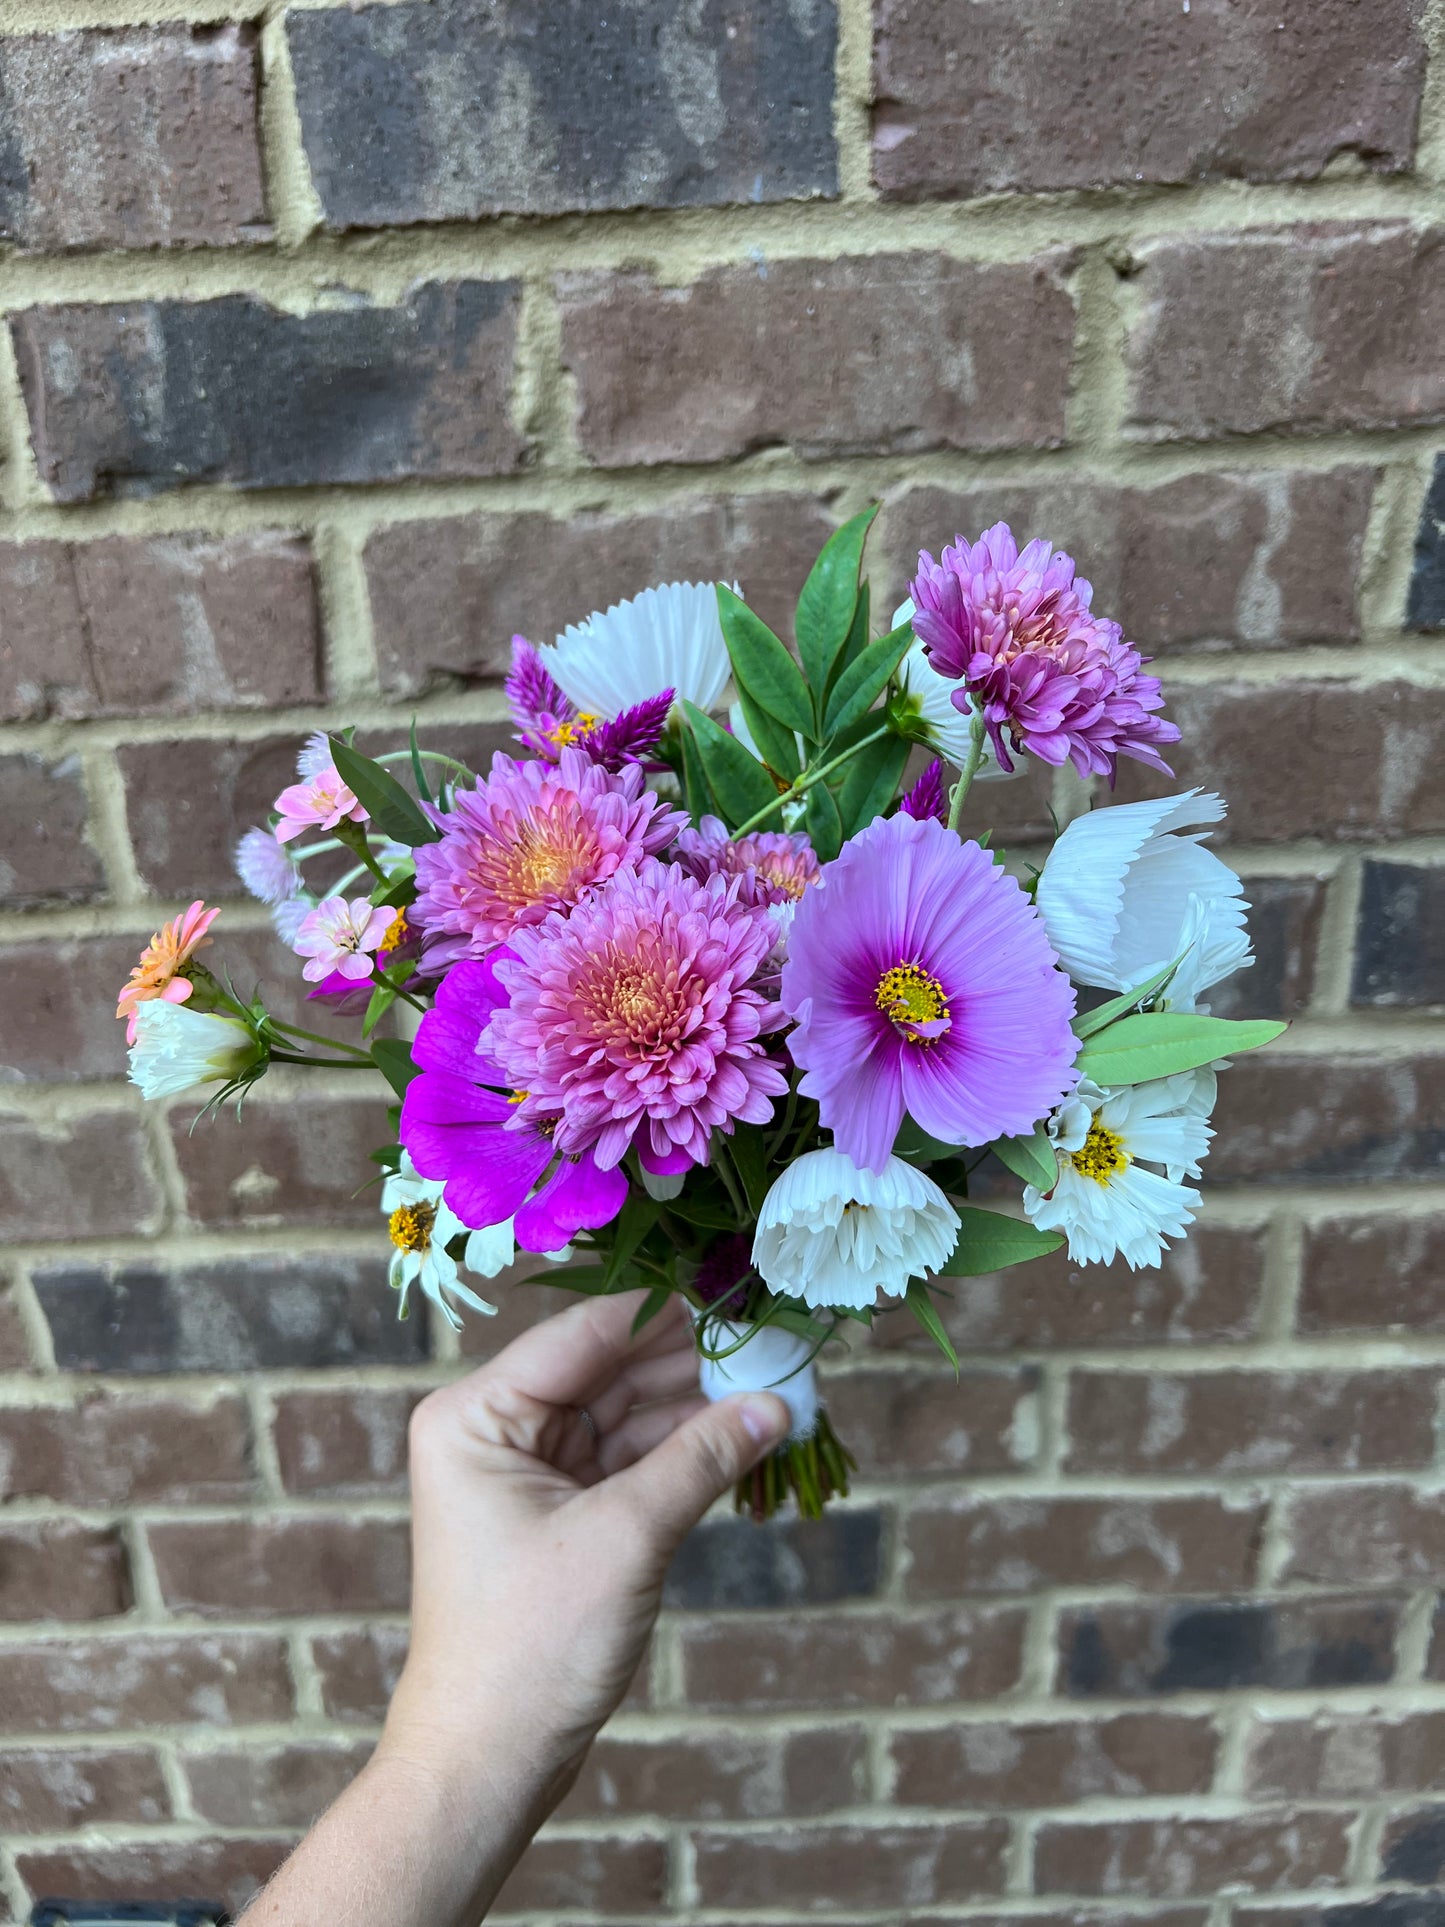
643 1430
669 1490
642 1380
567 1360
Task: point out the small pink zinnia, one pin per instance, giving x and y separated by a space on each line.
635 1022
528 840
922 981
1049 676
156 975
318 804
340 937
775 867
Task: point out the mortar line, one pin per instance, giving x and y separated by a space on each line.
852 102
292 199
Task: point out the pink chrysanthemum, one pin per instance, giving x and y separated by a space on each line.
528 840
774 867
922 981
319 803
1050 677
635 1020
338 938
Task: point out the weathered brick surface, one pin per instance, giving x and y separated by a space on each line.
588 1875
871 1865
1427 575
1284 926
298 1161
1346 1756
358 1671
48 858
1054 1763
717 1774
1262 1854
1413 1847
1373 1273
126 1451
728 1562
128 1681
1307 1119
1400 940
908 1422
1367 1534
287 1564
46 1791
229 1870
62 1570
974 99
287 1786
343 1443
14 1344
87 1178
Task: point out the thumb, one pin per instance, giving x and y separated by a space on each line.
673 1486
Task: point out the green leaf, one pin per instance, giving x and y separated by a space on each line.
399 892
634 1221
763 666
588 1279
1030 1158
1136 1050
829 601
418 774
700 799
858 635
915 1144
736 778
750 1159
393 1058
870 782
697 1211
382 999
651 1305
1095 1020
777 745
920 1302
987 1241
394 813
825 825
864 680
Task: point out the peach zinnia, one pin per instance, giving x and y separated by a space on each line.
158 972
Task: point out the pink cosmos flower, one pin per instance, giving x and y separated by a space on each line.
548 721
634 1021
922 981
927 797
1050 677
320 803
775 867
339 938
157 973
529 840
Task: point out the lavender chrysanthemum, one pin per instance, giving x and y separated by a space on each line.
926 798
775 867
922 981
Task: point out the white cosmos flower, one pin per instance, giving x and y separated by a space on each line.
930 696
1108 1199
1122 896
669 637
177 1048
422 1225
833 1234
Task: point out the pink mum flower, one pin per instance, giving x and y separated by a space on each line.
157 973
317 804
634 1021
339 937
1049 676
529 840
922 981
775 867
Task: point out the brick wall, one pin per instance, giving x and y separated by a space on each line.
341 343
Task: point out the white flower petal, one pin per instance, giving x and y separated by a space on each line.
177 1048
833 1234
669 637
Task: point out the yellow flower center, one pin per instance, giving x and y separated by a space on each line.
397 932
567 733
908 995
410 1226
1102 1155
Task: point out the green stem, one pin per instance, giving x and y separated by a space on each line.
315 1037
977 735
379 976
801 784
722 1164
326 1063
354 838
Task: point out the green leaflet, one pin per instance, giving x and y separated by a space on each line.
393 1059
1153 1044
824 824
915 1144
869 783
828 604
635 1220
864 680
920 1302
987 1241
777 745
393 812
1095 1020
1030 1158
763 666
700 799
738 781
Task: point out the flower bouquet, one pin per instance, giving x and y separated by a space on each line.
692 998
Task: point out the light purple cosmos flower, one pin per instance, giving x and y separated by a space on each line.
548 721
340 937
927 797
922 981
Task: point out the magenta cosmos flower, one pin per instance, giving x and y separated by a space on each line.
775 867
1049 676
635 1021
462 1126
528 840
921 981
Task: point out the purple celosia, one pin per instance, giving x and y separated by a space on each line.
627 738
548 721
922 981
774 867
1049 676
927 798
635 1021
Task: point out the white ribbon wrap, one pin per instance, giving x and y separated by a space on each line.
772 1360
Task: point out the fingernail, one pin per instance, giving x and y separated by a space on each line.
765 1420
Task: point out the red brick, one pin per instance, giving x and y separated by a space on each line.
144 138
187 804
1176 1857
1370 1274
1346 1756
592 1875
1250 1421
897 1423
886 354
169 624
980 98
1306 329
47 858
448 595
717 1774
284 1786
48 1791
15 1355
344 1443
292 1160
1298 1118
295 1564
1366 1535
1285 920
359 1671
230 1871
90 1177
108 1451
62 1570
1051 1763
143 1680
1015 1545
771 1663
873 1866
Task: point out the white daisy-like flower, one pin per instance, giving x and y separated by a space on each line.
177 1048
930 697
421 1226
1107 1198
669 637
833 1234
1122 896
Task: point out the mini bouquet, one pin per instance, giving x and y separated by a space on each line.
691 997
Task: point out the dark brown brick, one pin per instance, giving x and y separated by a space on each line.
89 1177
137 625
1304 329
1372 1274
1251 1421
868 1659
717 1774
1285 915
871 1865
1050 1763
294 1160
1132 1649
447 596
898 1423
454 111
1384 1910
359 1671
1426 609
258 398
47 1791
1435 1658
188 802
47 856
144 138
1302 1119
62 1570
236 1315
1174 1857
1413 1847
591 1875
229 1871
1366 1535
293 1564
1346 1756
350 1442
942 354
15 1353
1015 1545
789 1562
1400 937
283 1786
108 1451
143 1680
977 99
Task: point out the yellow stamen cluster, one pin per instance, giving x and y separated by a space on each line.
908 994
567 733
410 1226
397 932
1102 1155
